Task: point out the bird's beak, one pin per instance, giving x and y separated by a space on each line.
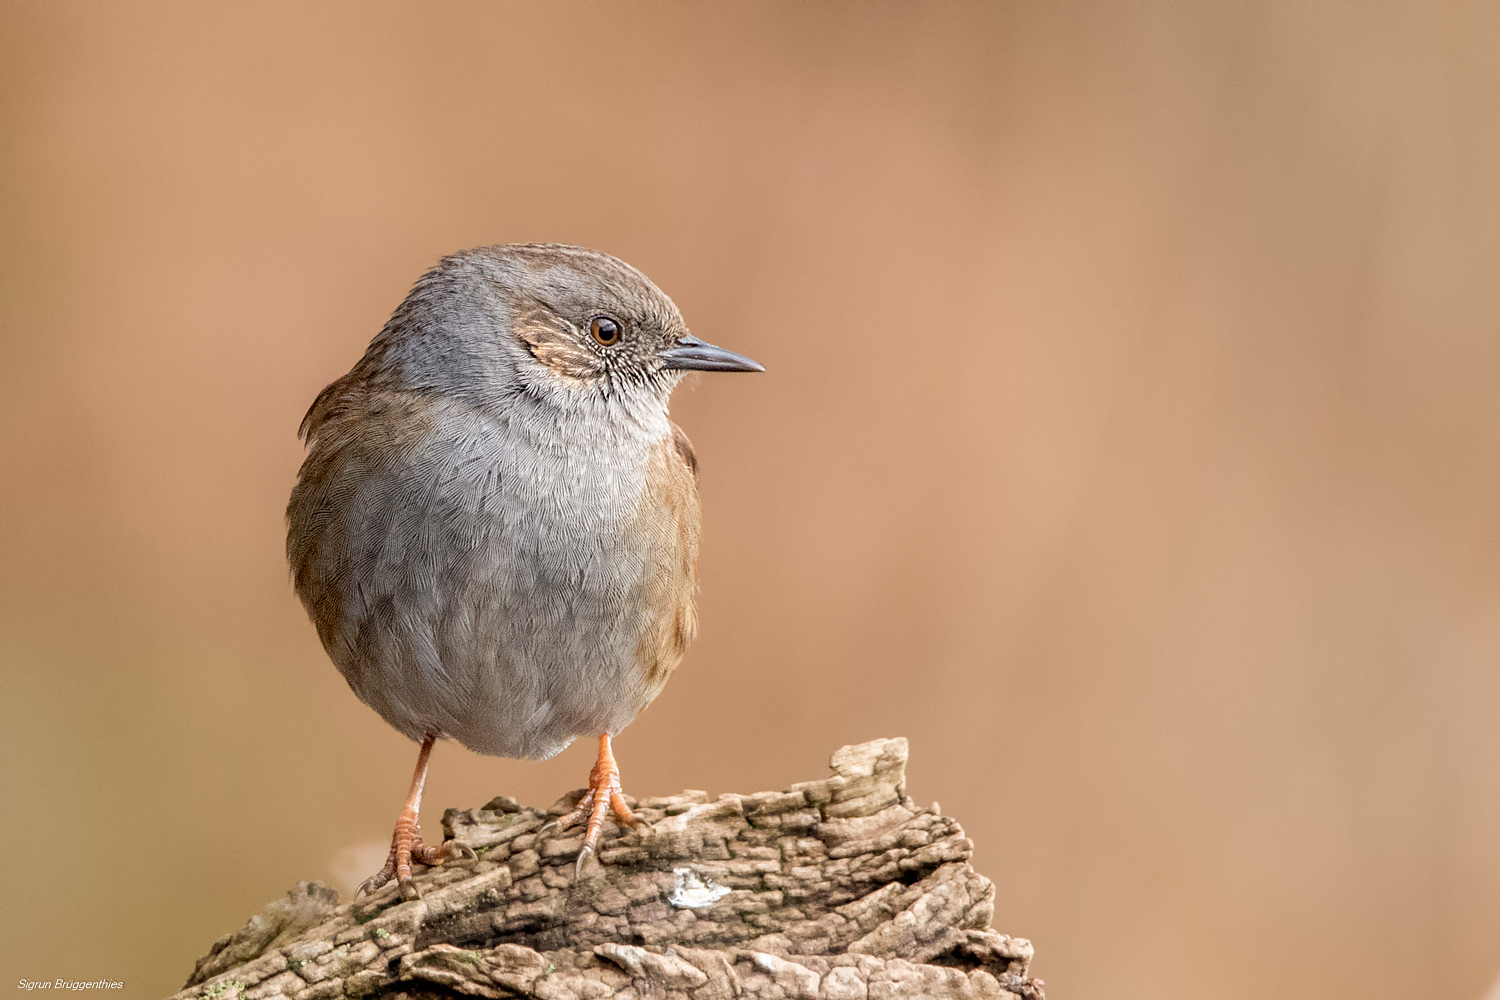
693 353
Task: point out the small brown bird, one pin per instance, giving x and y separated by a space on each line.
495 530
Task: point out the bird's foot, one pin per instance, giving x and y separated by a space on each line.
406 847
603 795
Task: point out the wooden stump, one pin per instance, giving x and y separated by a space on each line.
839 888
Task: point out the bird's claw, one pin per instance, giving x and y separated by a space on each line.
380 879
406 847
602 797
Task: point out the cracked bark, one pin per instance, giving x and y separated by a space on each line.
838 889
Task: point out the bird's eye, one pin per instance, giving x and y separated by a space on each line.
605 330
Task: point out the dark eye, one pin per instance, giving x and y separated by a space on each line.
605 330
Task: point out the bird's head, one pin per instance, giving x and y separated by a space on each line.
560 322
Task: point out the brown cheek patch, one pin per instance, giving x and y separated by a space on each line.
562 355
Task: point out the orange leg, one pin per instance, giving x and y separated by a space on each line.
602 796
406 842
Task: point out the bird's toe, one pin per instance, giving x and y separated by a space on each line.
374 883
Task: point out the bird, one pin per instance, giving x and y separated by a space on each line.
495 527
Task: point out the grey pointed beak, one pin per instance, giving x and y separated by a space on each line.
692 353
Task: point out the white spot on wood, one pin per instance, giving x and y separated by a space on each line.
694 892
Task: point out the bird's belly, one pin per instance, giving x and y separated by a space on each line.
547 636
505 598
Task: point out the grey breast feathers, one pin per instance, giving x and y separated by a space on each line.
465 588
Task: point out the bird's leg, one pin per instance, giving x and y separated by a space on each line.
406 842
603 795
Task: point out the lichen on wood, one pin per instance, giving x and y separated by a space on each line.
841 888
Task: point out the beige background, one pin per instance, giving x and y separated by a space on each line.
1128 441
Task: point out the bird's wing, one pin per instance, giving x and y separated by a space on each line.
378 525
685 450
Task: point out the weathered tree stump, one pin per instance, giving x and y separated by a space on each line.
840 888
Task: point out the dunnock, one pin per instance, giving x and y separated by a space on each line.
495 530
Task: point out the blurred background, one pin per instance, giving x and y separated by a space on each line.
1128 441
